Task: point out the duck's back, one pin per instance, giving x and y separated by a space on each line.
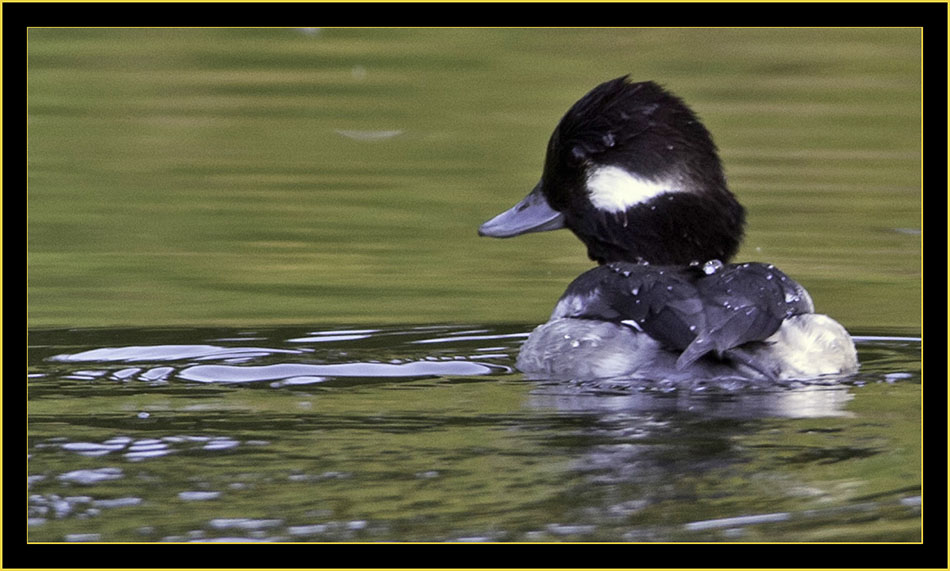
703 320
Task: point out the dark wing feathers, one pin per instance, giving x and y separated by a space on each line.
742 303
688 310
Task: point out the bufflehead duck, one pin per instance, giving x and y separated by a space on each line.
634 174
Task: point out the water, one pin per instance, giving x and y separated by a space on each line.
428 434
276 176
195 195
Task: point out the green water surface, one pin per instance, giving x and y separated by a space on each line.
296 175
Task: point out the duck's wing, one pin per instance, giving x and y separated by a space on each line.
743 303
659 301
688 309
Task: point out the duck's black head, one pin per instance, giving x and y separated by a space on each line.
635 175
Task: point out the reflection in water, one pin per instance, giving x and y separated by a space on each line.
799 402
428 433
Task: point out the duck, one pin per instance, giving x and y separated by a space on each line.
634 174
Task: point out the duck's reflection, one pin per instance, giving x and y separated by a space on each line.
808 401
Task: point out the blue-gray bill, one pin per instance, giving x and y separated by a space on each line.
532 214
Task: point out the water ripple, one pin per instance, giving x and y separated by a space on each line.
243 364
167 353
305 374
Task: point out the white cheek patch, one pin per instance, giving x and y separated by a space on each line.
613 189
